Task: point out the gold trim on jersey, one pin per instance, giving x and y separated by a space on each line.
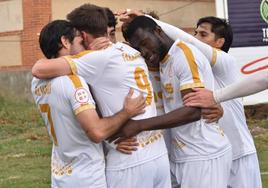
153 69
165 59
214 56
191 61
78 84
83 107
192 85
76 81
45 108
80 54
71 64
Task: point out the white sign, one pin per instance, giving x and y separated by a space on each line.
250 59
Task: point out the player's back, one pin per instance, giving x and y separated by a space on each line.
75 159
233 122
186 68
111 73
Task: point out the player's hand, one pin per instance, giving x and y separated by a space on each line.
200 97
128 15
130 129
212 114
134 106
127 145
99 43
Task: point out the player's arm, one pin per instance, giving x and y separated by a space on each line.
49 68
88 64
249 85
98 129
172 119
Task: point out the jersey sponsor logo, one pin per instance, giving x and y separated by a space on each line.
264 10
81 95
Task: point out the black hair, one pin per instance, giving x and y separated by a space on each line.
221 28
50 37
142 22
89 18
112 20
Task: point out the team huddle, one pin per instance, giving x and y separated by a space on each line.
128 115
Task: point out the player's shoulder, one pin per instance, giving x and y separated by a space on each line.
184 47
224 56
125 48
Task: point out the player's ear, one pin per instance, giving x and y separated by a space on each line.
65 42
158 30
220 42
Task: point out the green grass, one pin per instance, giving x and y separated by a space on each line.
25 147
261 142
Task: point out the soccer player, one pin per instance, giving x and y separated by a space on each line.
69 113
247 86
110 73
213 37
200 152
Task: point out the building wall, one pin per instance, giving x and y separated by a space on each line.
181 13
11 12
22 21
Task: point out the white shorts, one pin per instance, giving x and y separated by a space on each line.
245 173
213 173
152 174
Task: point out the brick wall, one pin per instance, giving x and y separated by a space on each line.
36 13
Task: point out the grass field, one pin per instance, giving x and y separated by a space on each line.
25 146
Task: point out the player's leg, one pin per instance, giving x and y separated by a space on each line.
162 178
176 174
245 172
204 174
141 176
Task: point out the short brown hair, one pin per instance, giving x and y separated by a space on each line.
89 18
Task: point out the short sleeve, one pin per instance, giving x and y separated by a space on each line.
186 68
88 64
79 95
225 67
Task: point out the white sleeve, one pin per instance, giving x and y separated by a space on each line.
186 68
176 33
78 94
250 85
88 64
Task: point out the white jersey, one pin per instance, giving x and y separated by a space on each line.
226 72
75 160
111 73
154 76
183 68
